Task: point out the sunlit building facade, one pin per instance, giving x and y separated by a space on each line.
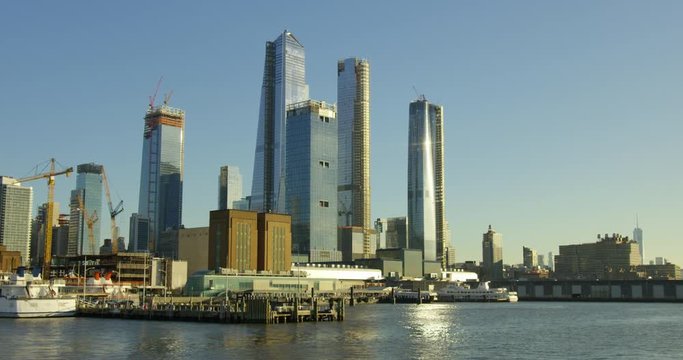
161 177
353 118
426 222
284 83
229 187
16 202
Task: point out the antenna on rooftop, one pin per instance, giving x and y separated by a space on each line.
419 96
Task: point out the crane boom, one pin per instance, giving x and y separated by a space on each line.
47 258
113 211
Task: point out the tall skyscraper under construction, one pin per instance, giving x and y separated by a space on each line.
89 189
353 116
161 177
426 217
284 83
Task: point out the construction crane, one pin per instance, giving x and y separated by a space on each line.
50 176
113 211
90 223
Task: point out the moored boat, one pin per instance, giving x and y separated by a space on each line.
463 292
27 295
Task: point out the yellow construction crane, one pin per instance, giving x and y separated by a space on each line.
50 175
113 211
90 223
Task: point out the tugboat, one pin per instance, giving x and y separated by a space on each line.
28 295
462 292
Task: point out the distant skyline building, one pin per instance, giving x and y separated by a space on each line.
353 117
38 232
138 233
161 175
492 248
392 232
638 237
426 222
229 187
284 83
312 181
89 188
16 202
530 257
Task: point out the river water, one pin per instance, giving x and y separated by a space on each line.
525 330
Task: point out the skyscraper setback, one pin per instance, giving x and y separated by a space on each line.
284 83
161 177
353 116
426 223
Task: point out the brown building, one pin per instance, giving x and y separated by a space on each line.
274 242
611 258
9 260
193 247
233 240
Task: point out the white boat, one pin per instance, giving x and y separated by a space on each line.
463 292
26 295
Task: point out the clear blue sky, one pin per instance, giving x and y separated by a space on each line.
563 118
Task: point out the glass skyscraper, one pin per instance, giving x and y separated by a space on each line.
638 237
311 194
229 187
353 117
89 188
16 202
284 83
161 178
425 180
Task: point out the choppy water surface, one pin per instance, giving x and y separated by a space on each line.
538 330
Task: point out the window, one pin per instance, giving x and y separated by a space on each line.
324 163
324 203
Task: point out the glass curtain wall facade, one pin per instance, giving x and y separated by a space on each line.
16 203
638 237
312 180
229 187
161 178
284 83
89 188
425 180
353 117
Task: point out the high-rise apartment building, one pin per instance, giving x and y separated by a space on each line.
638 237
89 189
353 118
426 218
229 187
492 248
284 83
312 180
16 202
38 232
161 177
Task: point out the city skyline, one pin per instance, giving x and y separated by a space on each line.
556 102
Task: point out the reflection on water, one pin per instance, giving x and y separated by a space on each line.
463 330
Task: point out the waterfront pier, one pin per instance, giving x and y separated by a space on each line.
260 309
